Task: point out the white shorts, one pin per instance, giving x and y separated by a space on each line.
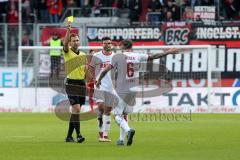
125 104
108 98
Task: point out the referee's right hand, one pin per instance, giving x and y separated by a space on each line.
69 25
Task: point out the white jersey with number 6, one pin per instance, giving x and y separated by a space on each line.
128 67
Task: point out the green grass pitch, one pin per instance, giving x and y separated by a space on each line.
40 136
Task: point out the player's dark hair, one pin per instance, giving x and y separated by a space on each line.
127 44
73 35
106 38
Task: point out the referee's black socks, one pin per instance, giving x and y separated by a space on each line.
71 126
76 123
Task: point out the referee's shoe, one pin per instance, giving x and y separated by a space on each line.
70 139
130 137
80 139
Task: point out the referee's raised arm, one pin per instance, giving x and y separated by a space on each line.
75 86
67 37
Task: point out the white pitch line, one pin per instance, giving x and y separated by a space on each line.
21 136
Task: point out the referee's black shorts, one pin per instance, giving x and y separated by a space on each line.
76 91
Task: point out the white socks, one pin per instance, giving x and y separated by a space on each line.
122 134
106 124
122 123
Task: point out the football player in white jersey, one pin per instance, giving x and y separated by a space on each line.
127 66
104 94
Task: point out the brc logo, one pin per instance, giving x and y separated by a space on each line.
177 36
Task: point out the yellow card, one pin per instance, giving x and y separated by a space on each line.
70 19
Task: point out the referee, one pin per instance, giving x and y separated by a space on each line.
75 61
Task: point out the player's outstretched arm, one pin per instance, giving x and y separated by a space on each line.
165 53
66 38
102 75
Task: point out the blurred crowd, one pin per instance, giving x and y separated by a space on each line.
50 11
53 11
